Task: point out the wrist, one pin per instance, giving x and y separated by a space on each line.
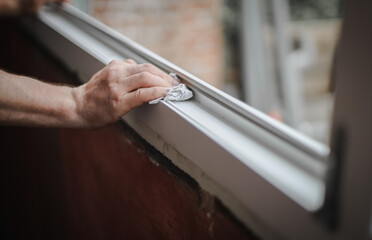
76 114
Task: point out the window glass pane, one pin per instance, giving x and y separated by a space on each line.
275 55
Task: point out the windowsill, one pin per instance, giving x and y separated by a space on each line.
258 167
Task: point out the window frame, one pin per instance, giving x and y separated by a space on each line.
267 193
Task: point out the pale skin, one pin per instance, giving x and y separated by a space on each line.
104 99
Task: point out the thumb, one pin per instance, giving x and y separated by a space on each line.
141 96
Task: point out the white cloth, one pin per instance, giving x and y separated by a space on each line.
177 93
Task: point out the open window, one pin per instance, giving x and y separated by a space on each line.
258 167
283 69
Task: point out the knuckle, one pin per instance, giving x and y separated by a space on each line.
129 60
145 76
114 92
114 62
147 67
139 95
111 72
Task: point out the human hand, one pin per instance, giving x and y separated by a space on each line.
116 89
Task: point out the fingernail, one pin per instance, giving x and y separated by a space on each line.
167 89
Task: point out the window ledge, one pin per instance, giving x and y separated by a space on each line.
258 167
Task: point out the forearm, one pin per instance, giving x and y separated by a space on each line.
105 98
29 102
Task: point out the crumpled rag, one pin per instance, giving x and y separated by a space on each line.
177 93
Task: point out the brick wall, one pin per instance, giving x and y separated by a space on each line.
186 32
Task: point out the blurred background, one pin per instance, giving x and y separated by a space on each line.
275 55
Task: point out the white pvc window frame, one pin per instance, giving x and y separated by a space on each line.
270 176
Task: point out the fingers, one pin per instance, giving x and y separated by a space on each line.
132 68
146 67
141 96
130 76
116 89
131 84
143 80
130 61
